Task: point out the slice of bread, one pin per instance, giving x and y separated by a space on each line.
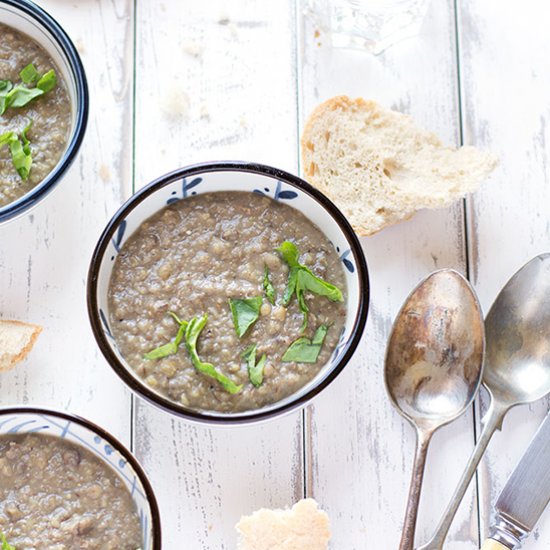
380 168
16 341
304 527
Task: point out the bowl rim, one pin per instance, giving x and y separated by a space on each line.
114 442
208 417
54 29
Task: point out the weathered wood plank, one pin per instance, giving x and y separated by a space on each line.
505 82
44 256
215 80
361 450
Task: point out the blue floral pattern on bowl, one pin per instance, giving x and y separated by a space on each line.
48 422
185 188
278 194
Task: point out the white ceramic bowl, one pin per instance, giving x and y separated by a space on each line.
230 176
26 17
103 445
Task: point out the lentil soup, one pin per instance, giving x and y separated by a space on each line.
57 495
191 258
51 115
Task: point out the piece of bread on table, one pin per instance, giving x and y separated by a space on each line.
304 527
16 341
380 168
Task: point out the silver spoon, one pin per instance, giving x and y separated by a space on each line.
433 366
517 364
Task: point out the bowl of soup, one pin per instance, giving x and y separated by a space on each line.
67 483
43 105
228 292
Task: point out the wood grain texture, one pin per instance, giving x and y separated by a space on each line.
361 450
44 256
225 88
217 80
505 82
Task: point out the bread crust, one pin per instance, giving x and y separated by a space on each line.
22 353
376 199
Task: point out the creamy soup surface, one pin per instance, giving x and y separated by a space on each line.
51 115
191 258
57 495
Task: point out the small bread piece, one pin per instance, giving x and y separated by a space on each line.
380 168
304 527
16 341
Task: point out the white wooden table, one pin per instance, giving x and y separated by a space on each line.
179 81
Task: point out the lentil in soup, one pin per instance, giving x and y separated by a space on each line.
51 115
57 495
191 258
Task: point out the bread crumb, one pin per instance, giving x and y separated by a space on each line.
104 173
304 527
193 48
16 341
176 103
204 113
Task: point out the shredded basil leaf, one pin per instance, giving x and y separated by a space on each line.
20 95
269 289
301 279
5 138
172 347
26 142
20 150
245 312
5 544
255 370
21 161
29 75
167 349
192 333
5 87
305 350
47 82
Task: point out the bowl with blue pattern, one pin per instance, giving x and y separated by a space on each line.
230 176
83 433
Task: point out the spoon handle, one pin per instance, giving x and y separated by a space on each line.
423 438
492 421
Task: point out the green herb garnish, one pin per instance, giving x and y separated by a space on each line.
20 150
192 333
5 138
305 350
19 96
47 82
190 330
255 370
269 289
5 544
245 312
29 75
172 347
301 279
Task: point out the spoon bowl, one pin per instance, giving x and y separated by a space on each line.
433 366
517 364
